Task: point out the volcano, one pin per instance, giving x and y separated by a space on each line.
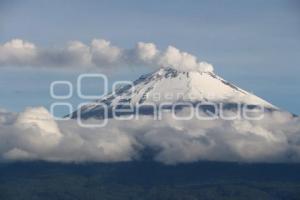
168 85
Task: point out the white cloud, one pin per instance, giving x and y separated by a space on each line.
146 52
103 53
18 52
75 54
99 54
182 61
33 134
80 51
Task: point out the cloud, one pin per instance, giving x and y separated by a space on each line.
18 52
146 52
34 135
99 54
182 61
75 54
103 53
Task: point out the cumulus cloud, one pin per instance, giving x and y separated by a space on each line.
99 53
182 61
34 135
104 53
18 52
146 52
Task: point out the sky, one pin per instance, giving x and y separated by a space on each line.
253 44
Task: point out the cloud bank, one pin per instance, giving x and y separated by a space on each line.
34 135
99 54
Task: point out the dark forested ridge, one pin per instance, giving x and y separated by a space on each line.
148 180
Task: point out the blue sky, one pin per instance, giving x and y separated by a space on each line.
254 44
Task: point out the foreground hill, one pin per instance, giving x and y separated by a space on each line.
148 180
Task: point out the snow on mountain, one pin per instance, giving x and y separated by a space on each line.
170 85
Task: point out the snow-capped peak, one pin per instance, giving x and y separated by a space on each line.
170 85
